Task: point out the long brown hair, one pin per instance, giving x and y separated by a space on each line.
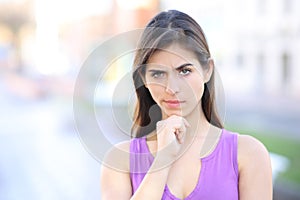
164 29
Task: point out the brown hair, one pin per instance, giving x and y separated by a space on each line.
164 29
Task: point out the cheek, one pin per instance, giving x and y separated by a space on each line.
197 93
155 91
196 89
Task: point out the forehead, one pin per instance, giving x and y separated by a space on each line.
173 55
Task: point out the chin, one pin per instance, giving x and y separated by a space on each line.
169 113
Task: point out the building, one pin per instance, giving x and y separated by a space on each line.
263 41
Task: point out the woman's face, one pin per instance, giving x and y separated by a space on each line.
176 80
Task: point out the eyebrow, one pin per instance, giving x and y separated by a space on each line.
183 66
180 67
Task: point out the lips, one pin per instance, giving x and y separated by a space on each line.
173 103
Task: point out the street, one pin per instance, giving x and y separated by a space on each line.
42 157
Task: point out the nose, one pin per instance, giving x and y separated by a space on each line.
172 86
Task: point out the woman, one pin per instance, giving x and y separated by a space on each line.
180 149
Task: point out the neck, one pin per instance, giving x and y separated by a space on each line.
201 137
199 124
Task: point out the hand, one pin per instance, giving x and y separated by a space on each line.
171 134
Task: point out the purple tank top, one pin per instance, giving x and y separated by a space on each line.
218 177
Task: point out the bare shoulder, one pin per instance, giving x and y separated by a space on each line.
248 145
251 149
255 172
249 142
115 173
124 146
117 157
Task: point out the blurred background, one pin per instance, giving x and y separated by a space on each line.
43 44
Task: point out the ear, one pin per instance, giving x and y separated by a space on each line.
210 68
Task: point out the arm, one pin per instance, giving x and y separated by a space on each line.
153 184
116 184
115 180
170 135
255 173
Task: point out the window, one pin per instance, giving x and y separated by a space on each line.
260 72
285 68
287 6
240 60
261 7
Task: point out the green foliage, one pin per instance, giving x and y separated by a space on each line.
280 144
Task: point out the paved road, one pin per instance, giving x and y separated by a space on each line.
41 156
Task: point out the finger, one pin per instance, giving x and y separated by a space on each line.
179 134
182 129
179 139
182 120
160 125
186 123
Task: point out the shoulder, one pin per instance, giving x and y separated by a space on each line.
255 172
251 152
248 145
115 173
117 157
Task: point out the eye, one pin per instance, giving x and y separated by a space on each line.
185 71
157 74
